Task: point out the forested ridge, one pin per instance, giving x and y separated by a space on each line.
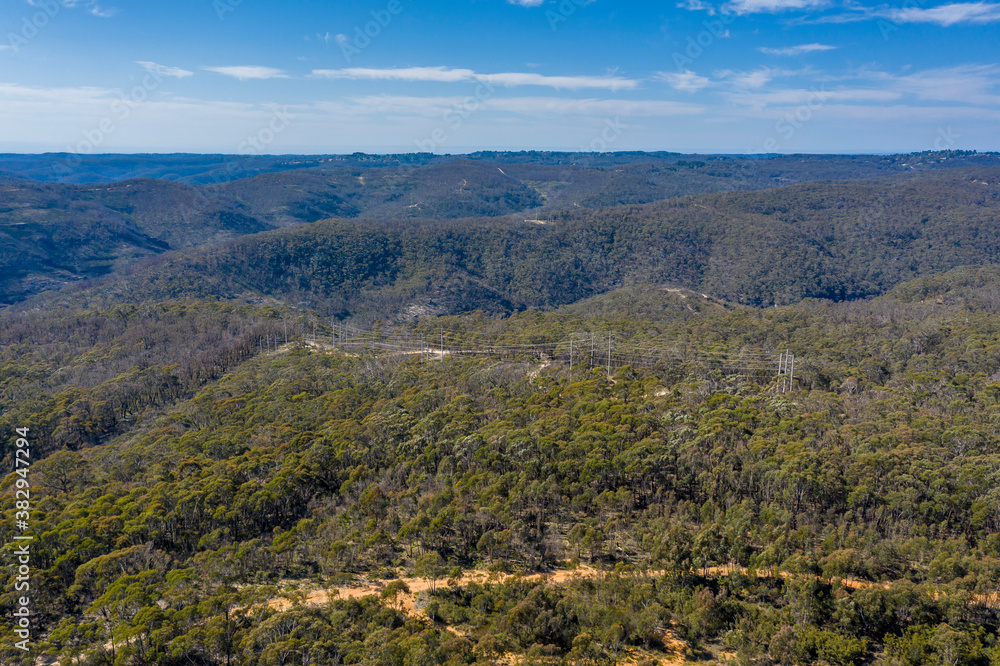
838 241
219 475
181 486
214 169
72 225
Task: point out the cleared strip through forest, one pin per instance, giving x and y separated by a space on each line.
589 350
309 595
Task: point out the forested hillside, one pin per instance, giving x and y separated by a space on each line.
198 495
569 434
838 241
111 225
214 169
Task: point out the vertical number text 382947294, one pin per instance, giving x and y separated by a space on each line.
22 550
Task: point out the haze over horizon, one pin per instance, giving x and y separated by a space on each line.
743 76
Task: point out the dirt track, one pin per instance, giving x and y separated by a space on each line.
406 601
318 597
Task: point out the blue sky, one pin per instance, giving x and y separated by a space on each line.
305 76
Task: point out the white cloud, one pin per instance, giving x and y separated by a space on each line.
686 81
568 82
758 78
755 79
798 96
163 70
369 105
248 72
539 3
971 84
856 118
771 6
102 12
79 97
889 116
90 5
436 74
59 118
795 50
860 14
602 108
956 13
552 107
696 6
449 75
975 13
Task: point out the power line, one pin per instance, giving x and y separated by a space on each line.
650 353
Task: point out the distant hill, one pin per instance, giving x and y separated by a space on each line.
247 195
650 302
837 241
48 238
190 169
447 190
214 169
54 234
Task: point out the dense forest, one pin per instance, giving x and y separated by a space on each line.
57 230
214 169
838 241
183 487
221 474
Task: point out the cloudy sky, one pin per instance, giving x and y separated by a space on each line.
314 76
